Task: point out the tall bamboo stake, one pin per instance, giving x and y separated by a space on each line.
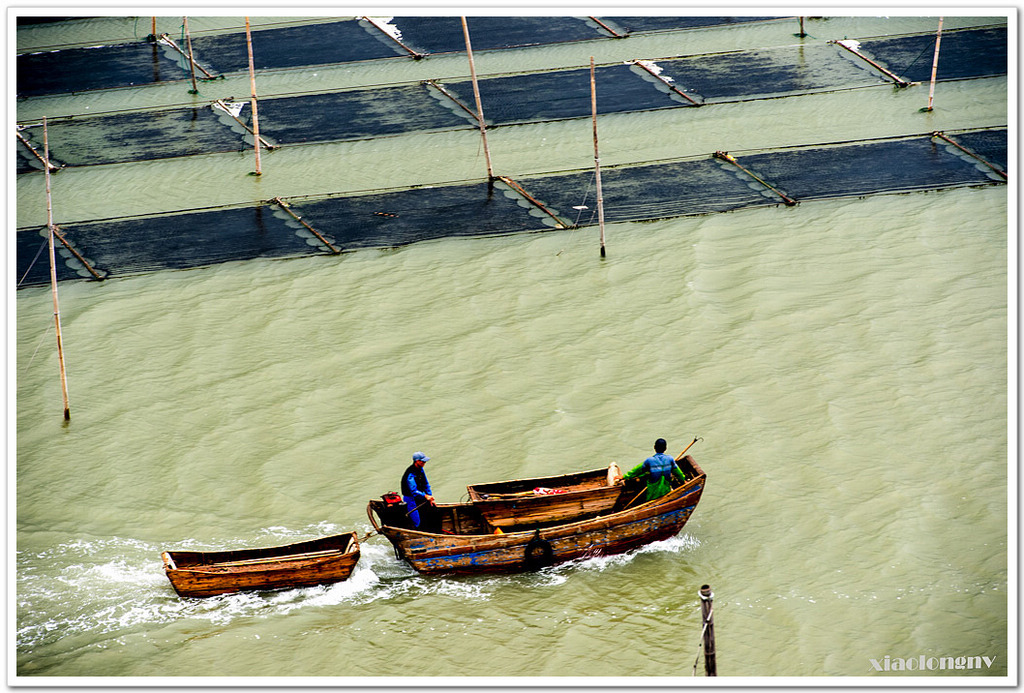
935 65
476 95
252 88
53 275
597 157
191 61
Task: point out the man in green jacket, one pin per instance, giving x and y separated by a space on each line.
658 468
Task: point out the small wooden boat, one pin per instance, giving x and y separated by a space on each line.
304 564
467 543
561 498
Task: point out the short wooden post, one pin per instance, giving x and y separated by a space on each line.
708 620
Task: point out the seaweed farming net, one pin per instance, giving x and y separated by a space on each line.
638 192
639 85
324 43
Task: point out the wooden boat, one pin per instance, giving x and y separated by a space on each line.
304 564
561 498
466 543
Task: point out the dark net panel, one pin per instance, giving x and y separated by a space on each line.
33 259
864 169
630 25
297 46
761 72
399 218
562 94
648 192
990 145
962 54
444 34
24 160
136 136
103 67
358 113
192 239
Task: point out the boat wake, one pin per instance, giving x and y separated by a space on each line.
113 587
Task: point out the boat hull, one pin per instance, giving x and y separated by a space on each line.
609 534
305 564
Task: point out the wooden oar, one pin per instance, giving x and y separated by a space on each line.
679 459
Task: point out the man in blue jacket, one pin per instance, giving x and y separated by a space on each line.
415 487
658 469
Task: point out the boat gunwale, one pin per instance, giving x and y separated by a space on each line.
273 555
584 476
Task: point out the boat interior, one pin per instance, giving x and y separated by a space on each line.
316 548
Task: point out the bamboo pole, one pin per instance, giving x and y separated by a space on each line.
284 205
959 146
476 95
724 156
597 156
673 88
191 60
168 41
888 73
154 29
707 617
935 65
224 107
53 275
252 89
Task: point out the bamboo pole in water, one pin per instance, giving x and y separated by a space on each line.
935 65
476 95
252 89
191 60
597 157
53 275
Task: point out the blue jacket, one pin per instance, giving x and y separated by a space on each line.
659 465
415 485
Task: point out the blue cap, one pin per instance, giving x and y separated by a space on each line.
419 457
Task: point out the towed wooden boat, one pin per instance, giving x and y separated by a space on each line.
561 498
467 543
304 564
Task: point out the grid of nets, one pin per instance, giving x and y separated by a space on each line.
638 192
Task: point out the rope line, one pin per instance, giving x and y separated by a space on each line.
700 645
48 327
33 263
919 56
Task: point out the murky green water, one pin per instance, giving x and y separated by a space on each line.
845 362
